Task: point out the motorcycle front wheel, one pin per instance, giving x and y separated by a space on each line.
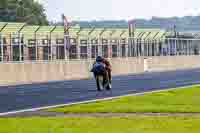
99 82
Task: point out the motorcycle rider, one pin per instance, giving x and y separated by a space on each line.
108 68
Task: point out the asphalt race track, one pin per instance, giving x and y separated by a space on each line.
21 97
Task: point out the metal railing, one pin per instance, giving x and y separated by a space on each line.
26 47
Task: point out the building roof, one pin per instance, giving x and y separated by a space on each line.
77 31
2 25
12 27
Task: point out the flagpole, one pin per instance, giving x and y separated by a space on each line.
63 20
66 37
131 25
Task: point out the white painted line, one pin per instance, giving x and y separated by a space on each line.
173 81
91 101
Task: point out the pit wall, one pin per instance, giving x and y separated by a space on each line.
39 72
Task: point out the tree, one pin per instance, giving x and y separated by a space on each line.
27 11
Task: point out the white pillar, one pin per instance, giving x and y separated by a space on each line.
65 48
142 47
126 47
188 45
96 49
100 47
11 48
135 44
36 48
169 47
118 48
20 47
89 48
163 45
185 47
51 47
109 45
78 48
2 54
158 48
136 48
66 51
175 46
181 47
129 46
148 47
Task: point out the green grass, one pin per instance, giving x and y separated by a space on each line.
173 101
101 125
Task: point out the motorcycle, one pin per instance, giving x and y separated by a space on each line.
101 76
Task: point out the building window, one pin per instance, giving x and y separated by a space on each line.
94 51
113 41
46 53
104 41
60 52
94 41
32 53
73 52
123 50
16 53
45 41
16 40
105 51
83 52
123 41
32 42
72 40
83 42
59 41
114 50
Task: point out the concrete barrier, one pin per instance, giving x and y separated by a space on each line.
168 63
39 72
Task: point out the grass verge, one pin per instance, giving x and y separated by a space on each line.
101 125
173 101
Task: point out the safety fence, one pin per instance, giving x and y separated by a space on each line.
48 47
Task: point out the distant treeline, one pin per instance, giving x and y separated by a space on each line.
27 11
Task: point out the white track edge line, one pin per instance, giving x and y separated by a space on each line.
91 101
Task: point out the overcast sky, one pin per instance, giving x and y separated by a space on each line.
119 9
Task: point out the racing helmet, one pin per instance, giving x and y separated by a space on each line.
99 59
